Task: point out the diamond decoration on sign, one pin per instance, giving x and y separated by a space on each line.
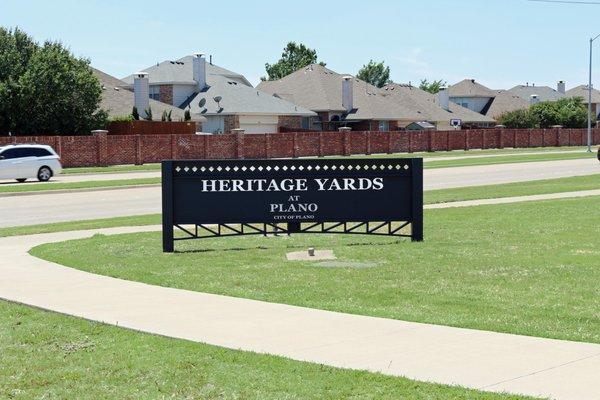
317 167
366 166
309 167
326 168
203 169
382 167
406 166
211 169
293 167
268 168
186 169
350 167
334 167
390 167
219 169
374 167
260 168
244 168
301 168
178 169
342 167
276 168
227 169
398 166
284 168
358 167
195 169
252 168
236 168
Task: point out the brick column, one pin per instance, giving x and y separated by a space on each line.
239 142
295 144
345 131
267 145
367 143
102 140
174 147
320 143
389 143
138 150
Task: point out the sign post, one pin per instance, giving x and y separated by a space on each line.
212 198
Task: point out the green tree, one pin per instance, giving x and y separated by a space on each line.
567 112
518 119
294 57
45 90
432 87
375 73
148 112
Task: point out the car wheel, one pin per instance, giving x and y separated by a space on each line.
21 180
44 174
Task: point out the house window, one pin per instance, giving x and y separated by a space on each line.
154 92
305 124
384 126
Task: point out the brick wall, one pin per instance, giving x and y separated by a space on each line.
231 122
165 93
105 149
289 122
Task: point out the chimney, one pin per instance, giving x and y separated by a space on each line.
561 87
534 99
141 93
444 99
199 70
347 93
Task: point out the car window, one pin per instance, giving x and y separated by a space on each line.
11 153
40 152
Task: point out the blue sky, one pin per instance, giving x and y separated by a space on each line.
500 43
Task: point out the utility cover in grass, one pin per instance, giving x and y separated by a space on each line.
305 256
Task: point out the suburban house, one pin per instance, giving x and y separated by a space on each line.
119 102
536 94
492 103
343 100
226 99
436 108
472 95
503 102
582 91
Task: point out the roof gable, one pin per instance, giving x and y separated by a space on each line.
469 88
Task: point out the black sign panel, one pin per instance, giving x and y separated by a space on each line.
291 193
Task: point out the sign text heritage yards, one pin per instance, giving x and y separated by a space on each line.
235 197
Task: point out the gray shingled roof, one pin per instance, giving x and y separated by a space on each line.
237 94
320 89
505 101
119 101
180 72
582 91
544 93
430 108
469 88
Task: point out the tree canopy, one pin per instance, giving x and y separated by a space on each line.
294 57
432 87
375 73
567 112
45 90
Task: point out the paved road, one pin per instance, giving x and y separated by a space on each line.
68 178
483 360
45 208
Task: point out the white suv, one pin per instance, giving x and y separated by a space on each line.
23 161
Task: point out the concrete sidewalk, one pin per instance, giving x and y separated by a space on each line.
476 359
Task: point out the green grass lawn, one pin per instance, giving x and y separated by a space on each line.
43 187
52 356
525 268
543 186
508 159
112 169
432 196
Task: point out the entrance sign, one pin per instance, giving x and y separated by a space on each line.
209 198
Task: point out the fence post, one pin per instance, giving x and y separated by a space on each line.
320 143
174 147
345 131
102 140
239 142
138 150
267 144
59 145
409 139
389 143
368 142
294 145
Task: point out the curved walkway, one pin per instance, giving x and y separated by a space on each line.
477 359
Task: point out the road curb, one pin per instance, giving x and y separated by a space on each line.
78 190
